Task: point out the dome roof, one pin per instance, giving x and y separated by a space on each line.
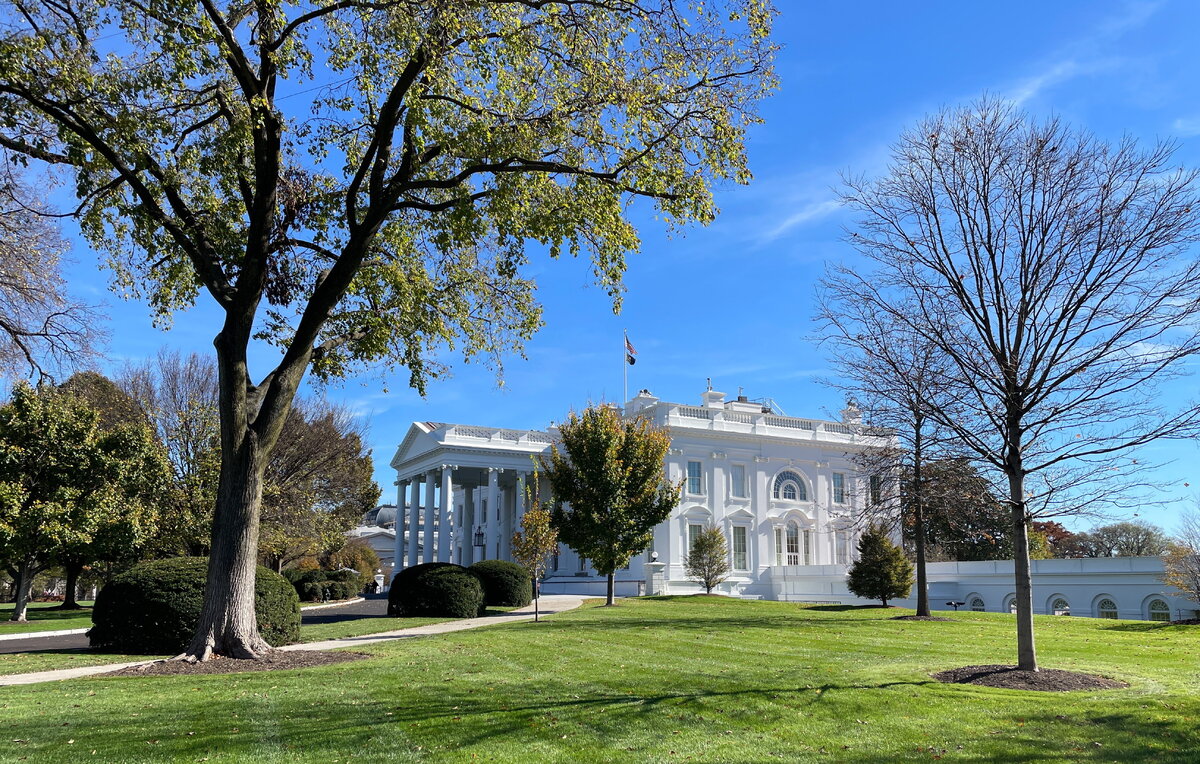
383 516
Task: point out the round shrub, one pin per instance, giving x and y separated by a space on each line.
440 589
154 607
505 584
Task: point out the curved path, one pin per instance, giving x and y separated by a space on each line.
550 604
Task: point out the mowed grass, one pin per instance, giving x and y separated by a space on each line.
673 679
43 617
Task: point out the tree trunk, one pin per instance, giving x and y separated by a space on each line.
1026 649
73 569
15 575
612 587
24 588
919 523
228 624
885 602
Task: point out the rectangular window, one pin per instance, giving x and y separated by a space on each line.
694 530
793 545
583 565
695 482
741 557
876 490
842 541
554 561
779 546
737 481
808 547
839 488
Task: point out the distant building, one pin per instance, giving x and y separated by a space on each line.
784 490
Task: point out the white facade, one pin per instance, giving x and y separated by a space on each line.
784 491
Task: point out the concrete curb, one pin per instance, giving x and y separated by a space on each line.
40 634
311 608
551 604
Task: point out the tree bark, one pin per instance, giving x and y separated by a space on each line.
15 575
73 569
612 587
228 624
919 522
1026 649
24 588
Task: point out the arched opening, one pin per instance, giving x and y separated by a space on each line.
1158 610
1060 606
789 486
1106 608
977 604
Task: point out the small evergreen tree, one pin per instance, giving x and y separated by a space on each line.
707 559
882 572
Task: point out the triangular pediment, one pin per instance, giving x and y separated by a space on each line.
419 440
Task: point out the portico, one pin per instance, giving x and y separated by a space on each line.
466 488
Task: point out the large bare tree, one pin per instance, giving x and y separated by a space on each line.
43 329
354 182
895 375
1053 273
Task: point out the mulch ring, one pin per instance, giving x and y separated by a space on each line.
277 660
921 618
1010 678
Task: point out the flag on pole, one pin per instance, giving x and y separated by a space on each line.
629 352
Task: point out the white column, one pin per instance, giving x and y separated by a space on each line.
492 524
414 520
509 514
401 521
444 516
470 520
429 543
519 511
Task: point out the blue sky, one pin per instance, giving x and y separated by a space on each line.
733 301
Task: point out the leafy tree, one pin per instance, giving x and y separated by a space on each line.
318 483
536 541
965 520
354 182
355 554
608 486
881 572
65 485
1127 539
42 329
119 542
707 560
1052 273
1181 561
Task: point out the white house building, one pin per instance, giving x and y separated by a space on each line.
784 490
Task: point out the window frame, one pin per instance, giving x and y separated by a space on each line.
982 608
737 488
698 477
1151 611
733 547
838 490
1103 612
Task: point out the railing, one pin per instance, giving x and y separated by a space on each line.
739 416
695 412
787 421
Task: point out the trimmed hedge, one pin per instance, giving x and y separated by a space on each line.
440 589
319 585
505 584
154 607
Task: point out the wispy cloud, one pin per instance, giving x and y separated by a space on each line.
1186 126
807 213
1082 56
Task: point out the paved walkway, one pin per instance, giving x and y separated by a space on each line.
550 604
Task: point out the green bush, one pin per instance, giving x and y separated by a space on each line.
505 584
154 607
318 585
440 589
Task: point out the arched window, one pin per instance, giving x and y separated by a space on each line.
1060 606
1106 608
1012 604
977 605
790 487
1159 610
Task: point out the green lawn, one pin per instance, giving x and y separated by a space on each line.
43 618
371 625
697 679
